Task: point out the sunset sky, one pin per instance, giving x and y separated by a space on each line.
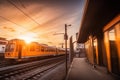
38 20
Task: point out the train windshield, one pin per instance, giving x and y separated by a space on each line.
10 47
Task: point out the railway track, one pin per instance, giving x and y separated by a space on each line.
40 72
5 63
29 71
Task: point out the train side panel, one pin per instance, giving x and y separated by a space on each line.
18 49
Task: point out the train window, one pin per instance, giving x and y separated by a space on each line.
10 47
51 50
48 50
32 48
2 42
42 49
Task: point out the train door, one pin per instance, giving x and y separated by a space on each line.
113 52
19 50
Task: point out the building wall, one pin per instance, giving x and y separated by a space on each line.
112 45
95 51
118 40
89 50
105 49
3 43
93 47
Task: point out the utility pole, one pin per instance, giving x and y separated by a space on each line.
66 38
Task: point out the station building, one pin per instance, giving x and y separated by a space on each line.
3 43
100 32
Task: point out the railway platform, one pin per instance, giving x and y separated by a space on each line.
82 70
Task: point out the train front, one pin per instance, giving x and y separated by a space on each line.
11 51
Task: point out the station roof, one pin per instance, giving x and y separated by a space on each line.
97 13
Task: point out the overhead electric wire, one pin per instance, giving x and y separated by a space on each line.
10 21
14 23
23 12
21 4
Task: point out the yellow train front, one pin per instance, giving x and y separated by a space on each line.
18 50
14 49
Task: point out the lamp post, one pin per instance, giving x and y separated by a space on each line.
65 38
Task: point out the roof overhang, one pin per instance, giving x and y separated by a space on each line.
97 14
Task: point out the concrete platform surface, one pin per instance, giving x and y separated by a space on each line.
81 70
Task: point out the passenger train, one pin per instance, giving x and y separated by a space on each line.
17 49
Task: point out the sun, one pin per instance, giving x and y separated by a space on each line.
27 38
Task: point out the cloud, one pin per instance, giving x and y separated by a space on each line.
50 14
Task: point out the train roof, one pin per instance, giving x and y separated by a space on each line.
16 40
43 45
61 48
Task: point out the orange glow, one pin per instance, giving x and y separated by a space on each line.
27 38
